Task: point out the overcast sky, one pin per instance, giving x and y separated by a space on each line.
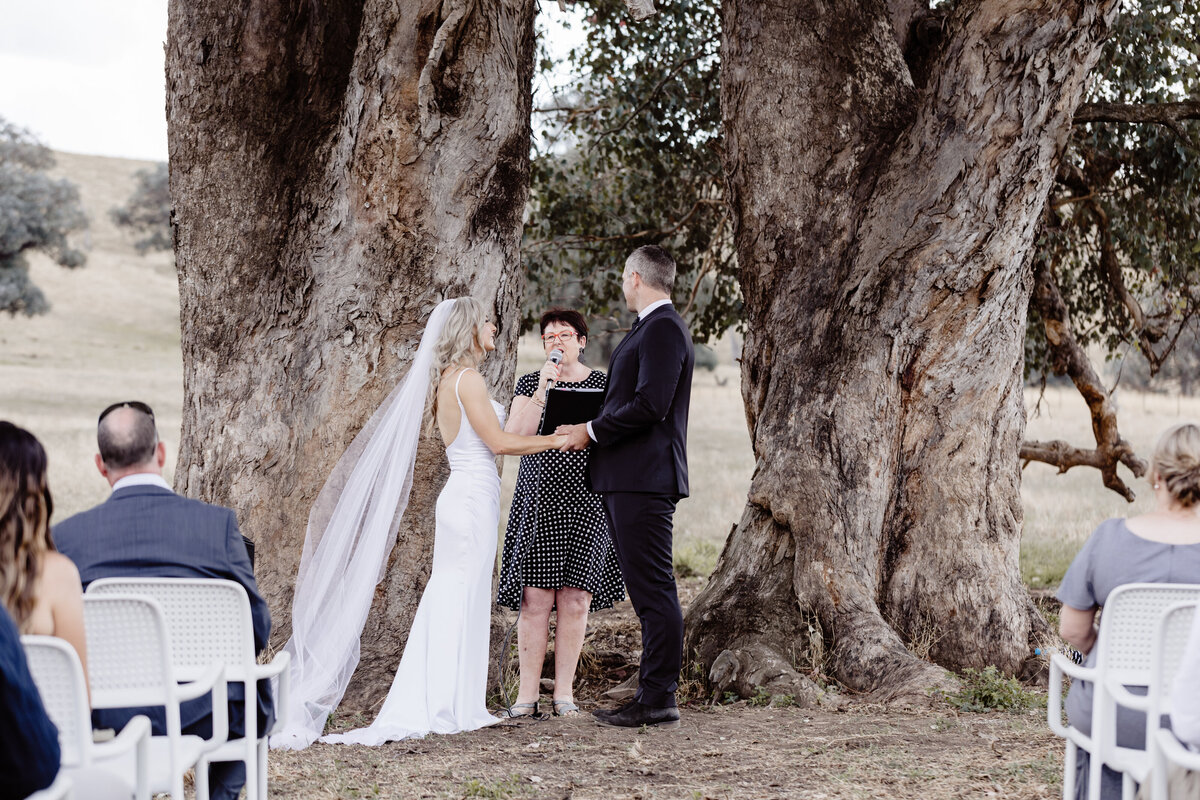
86 76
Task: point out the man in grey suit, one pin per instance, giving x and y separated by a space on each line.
146 530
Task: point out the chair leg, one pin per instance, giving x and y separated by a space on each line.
251 759
202 779
262 768
1128 787
1095 774
1069 772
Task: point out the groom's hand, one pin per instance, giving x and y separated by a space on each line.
577 437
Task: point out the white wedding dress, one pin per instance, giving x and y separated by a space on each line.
441 684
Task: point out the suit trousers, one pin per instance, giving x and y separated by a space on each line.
641 526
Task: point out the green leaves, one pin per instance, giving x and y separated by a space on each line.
1125 214
632 158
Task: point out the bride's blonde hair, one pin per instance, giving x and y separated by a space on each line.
458 343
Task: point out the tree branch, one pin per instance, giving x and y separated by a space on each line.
1069 358
700 51
658 233
707 263
1161 113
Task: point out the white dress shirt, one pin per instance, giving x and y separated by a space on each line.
142 479
666 301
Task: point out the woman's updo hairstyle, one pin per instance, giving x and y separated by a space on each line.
1176 462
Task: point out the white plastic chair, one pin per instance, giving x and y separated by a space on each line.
1164 749
59 790
58 674
129 665
210 622
1124 657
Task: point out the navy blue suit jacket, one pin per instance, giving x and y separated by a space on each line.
151 532
641 431
29 750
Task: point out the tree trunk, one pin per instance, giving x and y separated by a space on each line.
337 169
885 231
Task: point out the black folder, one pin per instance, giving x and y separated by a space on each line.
570 407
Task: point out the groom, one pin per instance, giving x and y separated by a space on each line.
639 464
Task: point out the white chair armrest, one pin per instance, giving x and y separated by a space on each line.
1174 751
213 679
1124 697
282 685
207 682
1061 665
277 665
134 731
136 736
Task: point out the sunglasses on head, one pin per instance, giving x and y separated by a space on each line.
136 405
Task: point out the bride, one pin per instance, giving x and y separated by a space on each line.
440 684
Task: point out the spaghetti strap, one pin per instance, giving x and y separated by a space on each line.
458 381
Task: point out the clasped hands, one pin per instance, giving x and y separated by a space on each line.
577 437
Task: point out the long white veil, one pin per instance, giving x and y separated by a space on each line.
351 529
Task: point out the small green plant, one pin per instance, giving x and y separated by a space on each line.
763 697
499 789
991 690
730 697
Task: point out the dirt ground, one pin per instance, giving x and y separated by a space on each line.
725 751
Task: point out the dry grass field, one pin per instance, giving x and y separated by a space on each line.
113 334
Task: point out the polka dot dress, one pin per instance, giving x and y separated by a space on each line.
557 534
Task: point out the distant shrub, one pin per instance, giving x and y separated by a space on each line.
148 212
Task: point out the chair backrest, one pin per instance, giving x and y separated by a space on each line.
1170 641
129 658
58 674
1128 626
209 620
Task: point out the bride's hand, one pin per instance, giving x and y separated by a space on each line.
559 441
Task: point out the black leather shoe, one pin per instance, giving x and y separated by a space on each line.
635 715
605 713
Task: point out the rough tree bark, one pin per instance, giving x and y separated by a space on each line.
337 169
884 236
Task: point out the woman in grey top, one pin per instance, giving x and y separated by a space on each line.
1162 546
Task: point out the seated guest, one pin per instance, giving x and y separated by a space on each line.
146 530
40 586
29 751
1162 546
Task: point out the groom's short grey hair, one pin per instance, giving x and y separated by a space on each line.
654 265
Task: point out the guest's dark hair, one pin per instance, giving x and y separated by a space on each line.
567 316
656 267
127 444
25 509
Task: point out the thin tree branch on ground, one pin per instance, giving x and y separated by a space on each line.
1067 357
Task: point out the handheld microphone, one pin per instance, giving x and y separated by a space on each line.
556 356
